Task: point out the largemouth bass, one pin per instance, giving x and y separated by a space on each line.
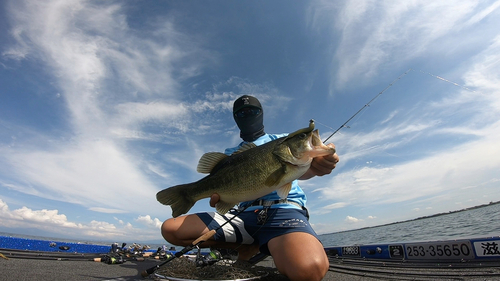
250 173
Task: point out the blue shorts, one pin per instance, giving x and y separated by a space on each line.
244 229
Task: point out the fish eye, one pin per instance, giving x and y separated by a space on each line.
303 135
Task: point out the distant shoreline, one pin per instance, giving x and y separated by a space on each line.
419 218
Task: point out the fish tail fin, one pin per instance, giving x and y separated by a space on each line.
178 197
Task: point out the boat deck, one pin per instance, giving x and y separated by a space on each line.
475 259
340 269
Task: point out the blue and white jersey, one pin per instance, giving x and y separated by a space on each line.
296 193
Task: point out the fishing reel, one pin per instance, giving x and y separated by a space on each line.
208 259
116 249
164 253
109 259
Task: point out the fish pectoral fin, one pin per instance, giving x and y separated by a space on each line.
209 160
284 190
276 176
223 207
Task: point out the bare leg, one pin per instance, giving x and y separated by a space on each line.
299 256
183 230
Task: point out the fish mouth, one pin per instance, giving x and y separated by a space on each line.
315 140
318 148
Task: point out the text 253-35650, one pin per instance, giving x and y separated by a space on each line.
444 250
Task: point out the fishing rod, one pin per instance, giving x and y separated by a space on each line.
208 235
368 104
194 244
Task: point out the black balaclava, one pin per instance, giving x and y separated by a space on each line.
251 126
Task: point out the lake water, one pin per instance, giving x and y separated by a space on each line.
475 223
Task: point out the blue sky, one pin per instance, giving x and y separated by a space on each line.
105 103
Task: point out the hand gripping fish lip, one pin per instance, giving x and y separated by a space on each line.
313 147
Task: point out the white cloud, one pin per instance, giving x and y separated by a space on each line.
429 172
150 222
27 217
120 85
336 205
52 220
443 171
382 139
328 208
89 173
483 14
396 35
88 47
137 113
482 75
350 219
107 210
121 222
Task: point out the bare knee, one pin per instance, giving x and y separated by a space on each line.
183 230
169 229
307 269
296 263
318 269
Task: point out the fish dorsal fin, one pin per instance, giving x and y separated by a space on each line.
208 161
276 176
223 207
245 147
284 190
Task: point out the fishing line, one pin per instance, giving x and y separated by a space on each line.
367 104
326 125
208 235
445 80
390 85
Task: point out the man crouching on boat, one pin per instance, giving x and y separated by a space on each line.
284 233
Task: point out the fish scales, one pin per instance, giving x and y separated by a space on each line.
248 174
237 174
